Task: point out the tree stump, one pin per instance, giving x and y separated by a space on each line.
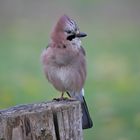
56 120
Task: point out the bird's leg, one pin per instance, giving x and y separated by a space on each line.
65 98
61 98
62 94
70 98
68 94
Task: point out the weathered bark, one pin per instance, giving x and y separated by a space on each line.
43 121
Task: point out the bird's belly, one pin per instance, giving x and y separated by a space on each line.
65 79
63 75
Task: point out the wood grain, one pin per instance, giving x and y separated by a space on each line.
56 120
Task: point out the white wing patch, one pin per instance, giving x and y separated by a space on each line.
83 93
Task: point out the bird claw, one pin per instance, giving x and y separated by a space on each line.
64 99
71 99
60 99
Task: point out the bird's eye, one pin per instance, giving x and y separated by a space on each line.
69 31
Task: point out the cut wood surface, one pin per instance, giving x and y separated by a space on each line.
56 120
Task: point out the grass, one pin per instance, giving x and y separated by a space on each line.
112 86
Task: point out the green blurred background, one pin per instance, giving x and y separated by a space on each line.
113 54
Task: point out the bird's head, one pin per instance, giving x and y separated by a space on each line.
66 29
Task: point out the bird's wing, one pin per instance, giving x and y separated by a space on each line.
83 51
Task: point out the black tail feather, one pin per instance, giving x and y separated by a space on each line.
86 119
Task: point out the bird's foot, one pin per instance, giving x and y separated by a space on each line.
64 99
71 99
60 99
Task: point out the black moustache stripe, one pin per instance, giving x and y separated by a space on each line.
71 37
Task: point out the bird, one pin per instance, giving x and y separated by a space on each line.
64 63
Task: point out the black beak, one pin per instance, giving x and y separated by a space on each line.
80 34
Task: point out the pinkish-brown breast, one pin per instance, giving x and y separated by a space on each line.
66 70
